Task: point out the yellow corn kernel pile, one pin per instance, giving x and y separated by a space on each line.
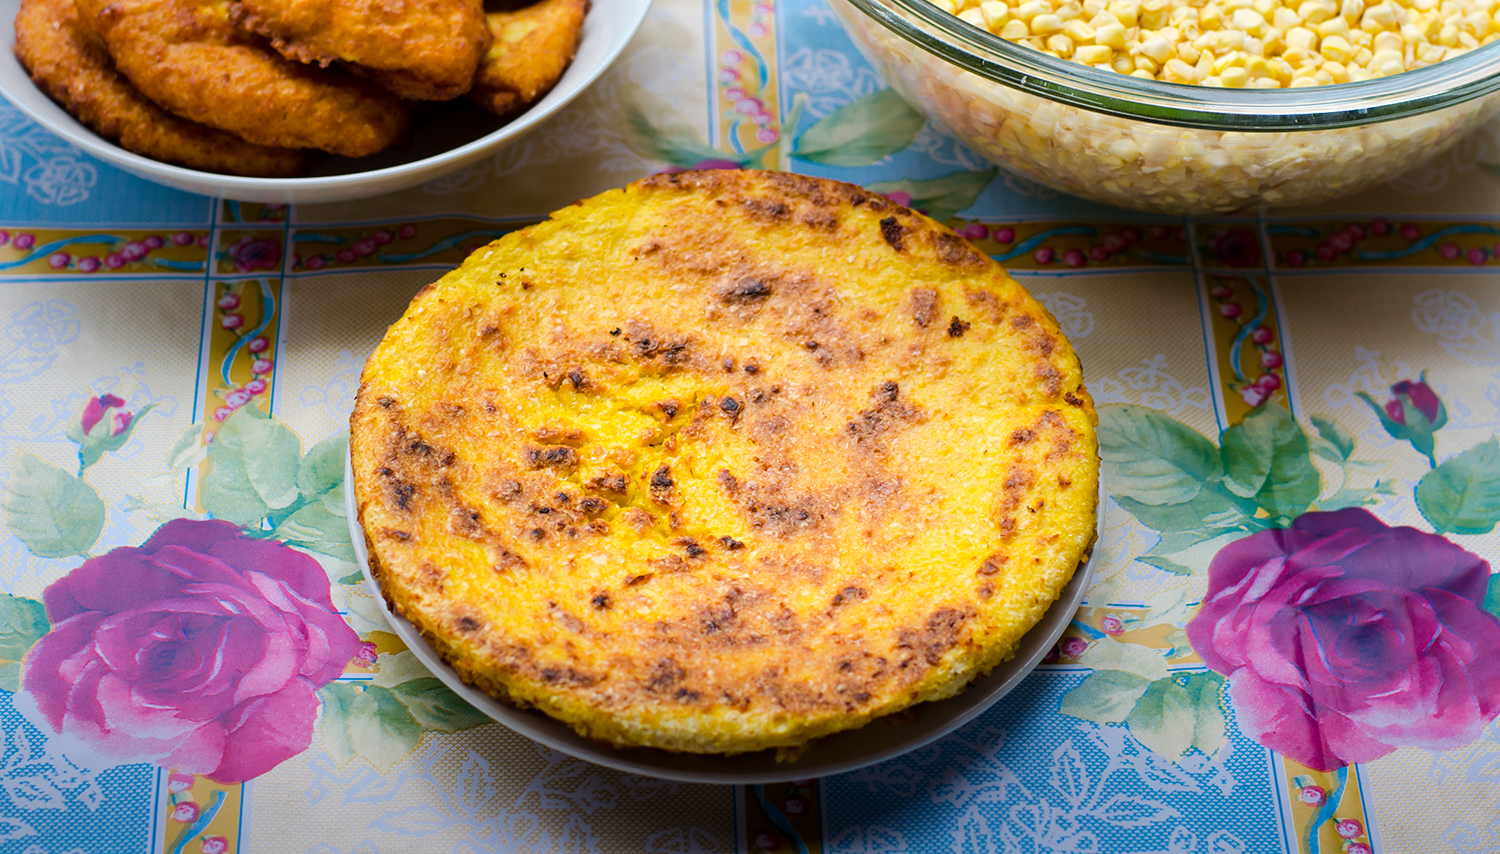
1257 44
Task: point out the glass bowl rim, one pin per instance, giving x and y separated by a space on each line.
1313 108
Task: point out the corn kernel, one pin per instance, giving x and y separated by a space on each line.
1014 29
1123 64
1187 53
1352 9
1284 19
946 5
1078 31
1234 78
1177 71
994 13
1092 54
1336 48
1111 35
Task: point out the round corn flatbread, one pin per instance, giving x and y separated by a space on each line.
725 461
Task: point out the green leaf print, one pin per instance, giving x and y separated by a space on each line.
367 721
657 132
1153 459
1333 443
322 470
943 197
314 528
861 132
435 707
256 461
1178 713
1106 696
1492 597
1266 458
56 514
1462 496
22 624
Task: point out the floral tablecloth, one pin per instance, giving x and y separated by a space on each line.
1291 643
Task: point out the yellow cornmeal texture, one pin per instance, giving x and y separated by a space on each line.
725 461
1259 44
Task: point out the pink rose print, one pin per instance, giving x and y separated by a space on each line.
215 845
1313 796
256 254
1221 292
1239 248
228 302
25 241
261 366
105 408
255 386
88 264
185 812
180 782
366 654
382 237
365 246
1262 335
259 344
1349 828
316 262
237 398
1421 396
1231 310
182 238
59 260
134 251
1344 639
155 241
114 260
201 650
767 841
1074 647
406 232
1270 360
1044 255
222 412
1269 382
796 806
1005 235
1357 848
1111 625
232 321
344 256
1255 395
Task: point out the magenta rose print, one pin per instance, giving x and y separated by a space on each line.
1343 638
201 650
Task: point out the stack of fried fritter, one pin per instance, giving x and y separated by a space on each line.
256 87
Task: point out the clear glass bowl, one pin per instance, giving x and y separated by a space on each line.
1167 147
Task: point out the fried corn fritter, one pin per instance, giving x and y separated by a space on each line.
426 50
725 461
73 69
189 58
532 47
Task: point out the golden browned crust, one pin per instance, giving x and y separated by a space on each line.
187 57
73 70
427 50
725 461
531 49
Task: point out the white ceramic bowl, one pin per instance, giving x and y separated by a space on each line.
835 754
453 136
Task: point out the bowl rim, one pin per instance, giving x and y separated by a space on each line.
1313 108
73 131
